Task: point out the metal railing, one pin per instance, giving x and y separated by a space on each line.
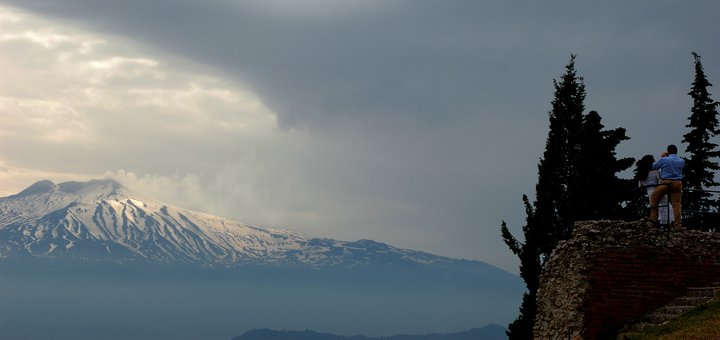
686 214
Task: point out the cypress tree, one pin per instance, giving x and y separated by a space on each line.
700 167
557 169
578 161
546 219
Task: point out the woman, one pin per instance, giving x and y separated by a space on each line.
649 178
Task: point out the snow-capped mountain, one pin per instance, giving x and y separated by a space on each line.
93 260
102 220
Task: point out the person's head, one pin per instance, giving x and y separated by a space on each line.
672 149
645 160
642 166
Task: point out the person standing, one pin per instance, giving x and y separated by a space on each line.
671 169
648 179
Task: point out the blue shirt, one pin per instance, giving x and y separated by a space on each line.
671 167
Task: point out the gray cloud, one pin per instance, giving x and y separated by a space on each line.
418 123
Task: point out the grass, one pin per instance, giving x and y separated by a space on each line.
700 323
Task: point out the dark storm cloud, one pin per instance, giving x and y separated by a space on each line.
404 58
428 60
437 109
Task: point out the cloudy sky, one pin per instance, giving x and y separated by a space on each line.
416 123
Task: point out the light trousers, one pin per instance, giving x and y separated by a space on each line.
672 187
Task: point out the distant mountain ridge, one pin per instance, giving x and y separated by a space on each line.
93 260
102 220
489 332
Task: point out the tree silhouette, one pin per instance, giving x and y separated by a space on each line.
576 180
701 165
598 193
546 219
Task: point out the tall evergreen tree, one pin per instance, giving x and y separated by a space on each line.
576 180
597 192
530 266
557 169
700 167
546 218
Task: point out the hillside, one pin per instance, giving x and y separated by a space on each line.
489 332
700 323
101 220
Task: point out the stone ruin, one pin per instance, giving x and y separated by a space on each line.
611 273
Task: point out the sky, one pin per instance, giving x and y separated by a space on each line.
410 122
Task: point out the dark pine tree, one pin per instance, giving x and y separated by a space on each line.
557 169
530 266
700 167
579 160
597 192
546 220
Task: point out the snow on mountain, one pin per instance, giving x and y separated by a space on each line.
102 220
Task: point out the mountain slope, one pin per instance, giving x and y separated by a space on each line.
92 260
102 220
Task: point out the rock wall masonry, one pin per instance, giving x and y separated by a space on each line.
611 273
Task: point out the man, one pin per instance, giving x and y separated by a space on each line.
671 168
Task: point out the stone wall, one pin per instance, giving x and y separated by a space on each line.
611 273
